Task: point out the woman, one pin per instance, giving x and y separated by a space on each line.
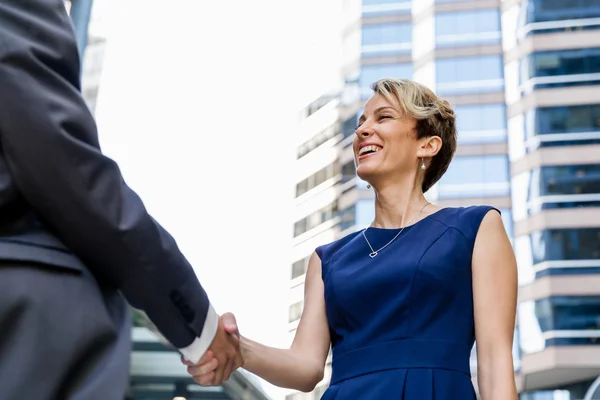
402 302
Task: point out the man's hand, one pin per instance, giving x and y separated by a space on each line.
223 356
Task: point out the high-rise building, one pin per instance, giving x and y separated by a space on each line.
529 144
552 69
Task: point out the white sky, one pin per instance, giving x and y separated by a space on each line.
197 103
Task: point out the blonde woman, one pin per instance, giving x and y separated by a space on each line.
402 302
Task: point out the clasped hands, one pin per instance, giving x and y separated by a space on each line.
222 357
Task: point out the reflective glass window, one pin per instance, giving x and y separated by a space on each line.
319 177
558 252
369 74
469 75
562 126
556 69
565 244
467 27
561 186
385 7
383 39
558 10
538 319
317 140
475 176
299 267
315 219
347 218
482 123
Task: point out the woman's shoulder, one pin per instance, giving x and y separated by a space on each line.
327 250
466 220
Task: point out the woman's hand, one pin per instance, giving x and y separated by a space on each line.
203 373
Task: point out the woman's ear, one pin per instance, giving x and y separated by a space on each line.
431 146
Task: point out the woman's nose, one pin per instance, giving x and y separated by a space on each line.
364 132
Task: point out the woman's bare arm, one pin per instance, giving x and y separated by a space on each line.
300 367
495 298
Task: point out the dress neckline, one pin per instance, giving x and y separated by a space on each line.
372 228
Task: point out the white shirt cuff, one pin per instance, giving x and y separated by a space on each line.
196 350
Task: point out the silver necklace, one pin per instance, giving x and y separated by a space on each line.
373 252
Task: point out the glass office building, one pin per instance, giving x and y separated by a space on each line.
521 75
552 69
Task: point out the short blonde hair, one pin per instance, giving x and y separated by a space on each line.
434 116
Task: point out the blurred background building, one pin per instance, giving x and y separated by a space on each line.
522 77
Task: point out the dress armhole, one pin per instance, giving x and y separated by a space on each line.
481 212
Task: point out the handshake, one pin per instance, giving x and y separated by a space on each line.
222 357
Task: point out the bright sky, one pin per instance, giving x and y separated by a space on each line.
198 104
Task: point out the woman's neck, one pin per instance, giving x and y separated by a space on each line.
397 205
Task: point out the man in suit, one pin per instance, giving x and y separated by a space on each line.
74 238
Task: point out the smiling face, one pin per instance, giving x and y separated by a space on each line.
386 143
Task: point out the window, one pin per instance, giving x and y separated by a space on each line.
557 69
540 319
483 123
467 28
562 126
557 10
348 171
318 140
347 218
296 311
558 252
349 126
475 176
319 177
372 8
565 244
299 267
384 39
370 74
469 75
315 219
562 186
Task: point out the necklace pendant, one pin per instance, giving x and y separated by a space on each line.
373 254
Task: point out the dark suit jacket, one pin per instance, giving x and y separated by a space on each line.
62 202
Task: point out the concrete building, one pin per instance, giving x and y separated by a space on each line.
521 77
552 69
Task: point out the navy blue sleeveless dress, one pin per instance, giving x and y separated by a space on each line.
402 323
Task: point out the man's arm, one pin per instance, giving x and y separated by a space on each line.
50 144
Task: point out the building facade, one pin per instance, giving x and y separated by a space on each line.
521 76
552 69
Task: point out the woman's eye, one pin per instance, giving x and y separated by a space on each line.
385 116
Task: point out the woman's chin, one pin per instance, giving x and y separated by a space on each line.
366 174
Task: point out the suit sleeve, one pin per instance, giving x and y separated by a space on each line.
49 140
